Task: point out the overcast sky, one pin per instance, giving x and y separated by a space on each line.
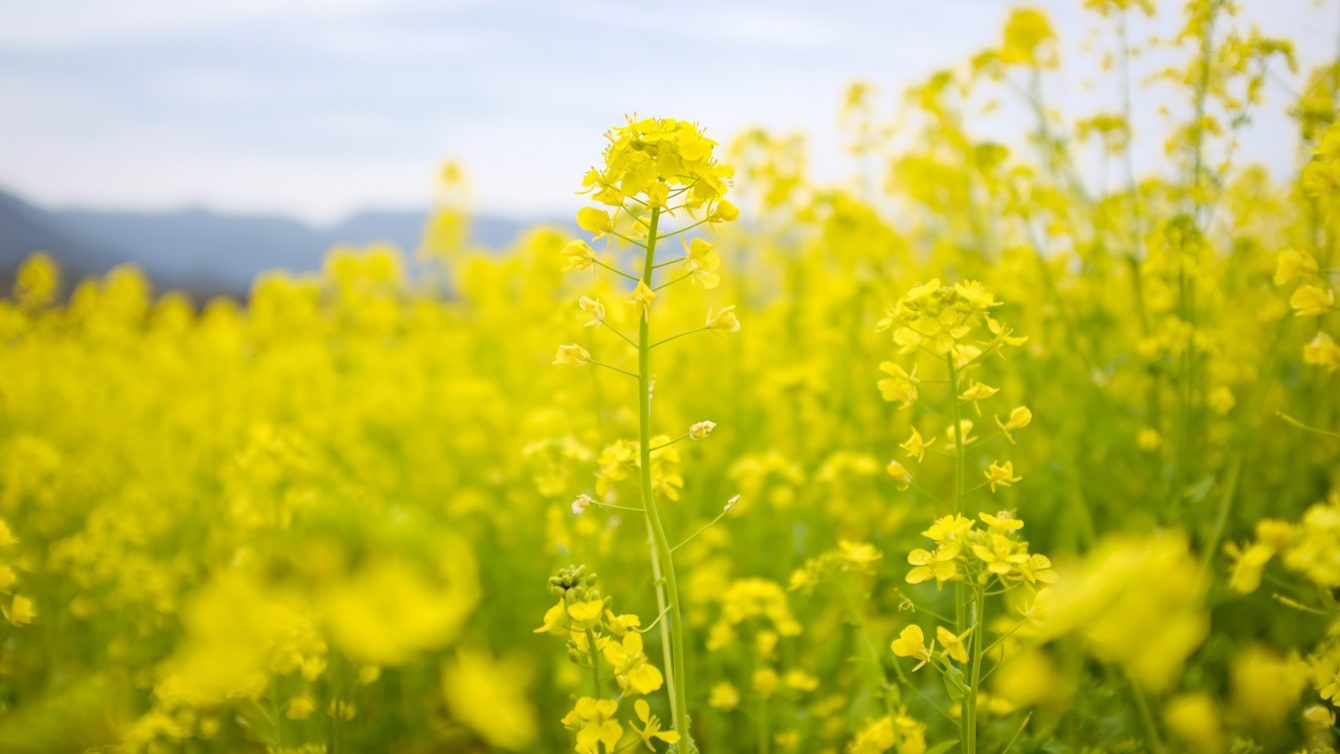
319 107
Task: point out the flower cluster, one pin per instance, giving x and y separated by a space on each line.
608 645
987 555
651 161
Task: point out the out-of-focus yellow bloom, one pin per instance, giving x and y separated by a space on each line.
724 320
915 446
489 697
1194 719
20 611
1137 601
702 262
578 255
572 354
1292 265
641 298
701 430
901 476
1312 301
724 696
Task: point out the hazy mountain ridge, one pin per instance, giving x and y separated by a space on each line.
204 251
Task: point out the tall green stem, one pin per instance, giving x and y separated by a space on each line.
975 677
966 723
672 631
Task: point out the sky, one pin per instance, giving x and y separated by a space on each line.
318 108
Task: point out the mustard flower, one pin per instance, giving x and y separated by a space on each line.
941 565
701 430
915 446
1311 301
651 726
594 308
1001 475
20 611
635 674
1020 417
702 262
595 723
900 474
900 386
578 256
724 321
594 221
641 297
1292 265
911 642
572 355
951 644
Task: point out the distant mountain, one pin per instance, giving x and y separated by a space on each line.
203 251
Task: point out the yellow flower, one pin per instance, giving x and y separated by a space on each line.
723 321
595 723
900 475
578 255
701 430
1003 522
300 708
1322 351
586 615
7 538
631 669
702 263
651 726
724 696
977 393
594 221
1311 301
940 565
1193 718
21 611
555 619
594 308
1002 556
915 446
965 429
948 528
1020 417
1148 439
642 297
622 624
900 386
912 643
1001 474
572 354
1293 265
662 159
952 645
489 697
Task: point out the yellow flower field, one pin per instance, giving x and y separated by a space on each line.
967 453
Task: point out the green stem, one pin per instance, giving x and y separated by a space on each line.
662 556
975 679
960 479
